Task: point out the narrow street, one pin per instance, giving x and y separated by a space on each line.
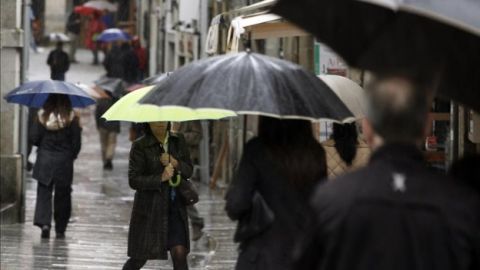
97 234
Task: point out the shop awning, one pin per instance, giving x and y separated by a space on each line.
266 25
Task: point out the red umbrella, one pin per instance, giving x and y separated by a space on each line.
83 10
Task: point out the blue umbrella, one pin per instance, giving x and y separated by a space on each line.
35 93
113 34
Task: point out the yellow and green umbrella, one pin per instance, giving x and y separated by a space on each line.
128 109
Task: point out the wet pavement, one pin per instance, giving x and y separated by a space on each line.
97 234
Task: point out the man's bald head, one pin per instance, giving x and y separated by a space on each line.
398 110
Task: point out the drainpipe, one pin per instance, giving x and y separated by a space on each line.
23 116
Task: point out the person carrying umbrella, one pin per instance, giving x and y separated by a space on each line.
94 28
57 133
59 62
129 62
282 165
158 162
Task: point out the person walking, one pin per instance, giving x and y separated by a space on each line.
107 130
129 62
283 165
58 62
159 221
395 213
57 134
345 150
113 62
73 30
94 27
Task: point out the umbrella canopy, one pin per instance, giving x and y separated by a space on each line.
113 34
35 93
113 85
349 92
250 83
431 39
155 79
128 109
92 91
86 11
58 37
101 5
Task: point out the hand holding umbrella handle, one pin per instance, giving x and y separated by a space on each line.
168 173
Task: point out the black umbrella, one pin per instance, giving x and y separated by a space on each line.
249 83
155 78
428 39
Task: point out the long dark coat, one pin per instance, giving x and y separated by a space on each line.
57 149
147 237
272 250
393 214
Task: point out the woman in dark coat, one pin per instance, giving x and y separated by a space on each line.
57 133
282 164
159 220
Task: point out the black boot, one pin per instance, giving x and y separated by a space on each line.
108 165
45 232
60 235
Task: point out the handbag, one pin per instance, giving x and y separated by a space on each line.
188 192
256 221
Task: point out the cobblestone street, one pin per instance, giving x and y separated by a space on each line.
97 234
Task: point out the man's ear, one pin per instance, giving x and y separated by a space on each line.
368 133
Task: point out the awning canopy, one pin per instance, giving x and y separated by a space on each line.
266 25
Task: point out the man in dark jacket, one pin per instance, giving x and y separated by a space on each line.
113 62
58 62
395 213
130 64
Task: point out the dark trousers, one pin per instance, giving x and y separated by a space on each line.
57 76
62 205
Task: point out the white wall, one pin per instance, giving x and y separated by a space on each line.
55 16
189 10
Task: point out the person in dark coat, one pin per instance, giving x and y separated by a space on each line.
73 27
395 213
130 64
57 133
159 221
59 63
108 130
283 164
113 62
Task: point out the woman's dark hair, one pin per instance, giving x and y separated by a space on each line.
293 146
58 104
345 137
147 130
